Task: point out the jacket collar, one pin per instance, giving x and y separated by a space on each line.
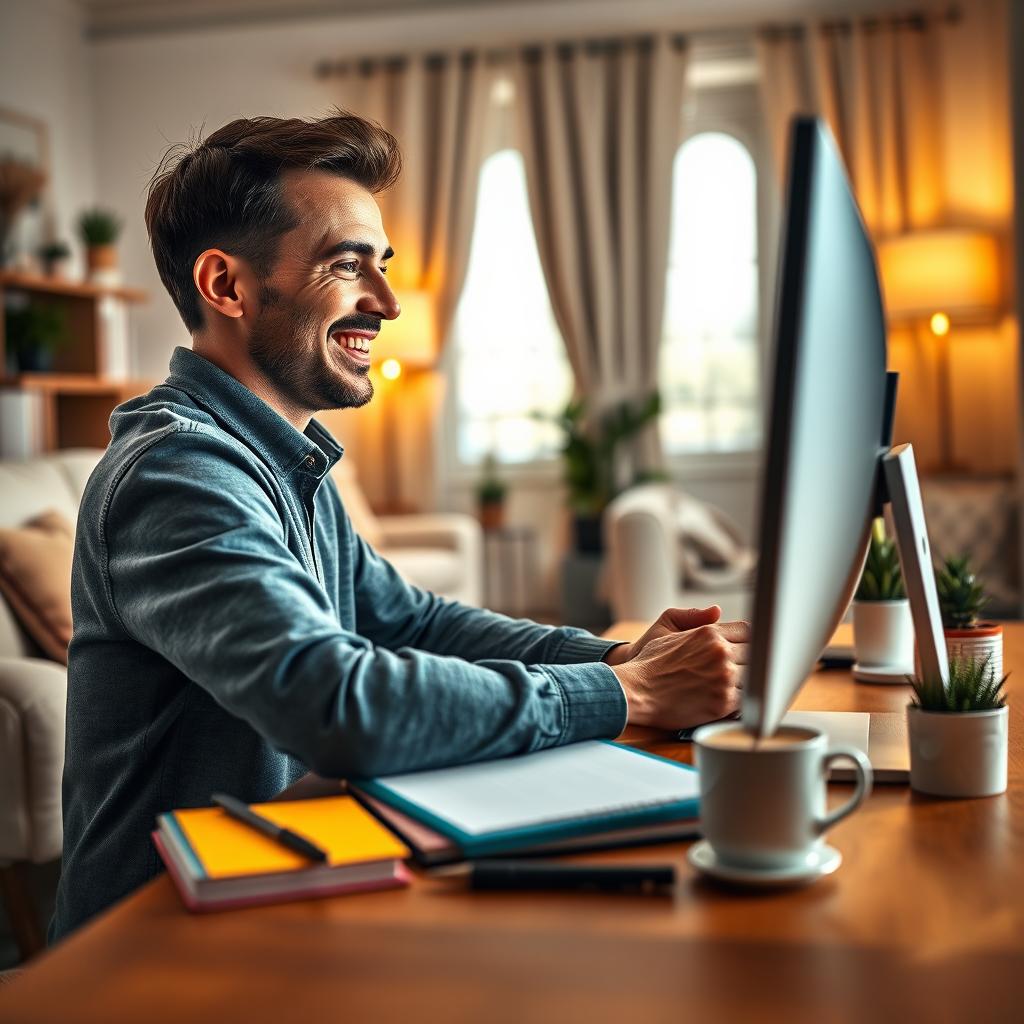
240 412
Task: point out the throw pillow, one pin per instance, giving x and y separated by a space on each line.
35 578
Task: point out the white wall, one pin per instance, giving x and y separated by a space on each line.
46 72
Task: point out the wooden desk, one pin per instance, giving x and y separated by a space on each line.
923 921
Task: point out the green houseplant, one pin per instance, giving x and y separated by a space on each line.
34 332
53 256
100 230
959 731
592 459
490 495
883 632
962 599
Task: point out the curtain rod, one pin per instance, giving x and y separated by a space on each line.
328 68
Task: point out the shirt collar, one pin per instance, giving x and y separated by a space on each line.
250 419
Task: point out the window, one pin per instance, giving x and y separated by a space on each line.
710 363
509 355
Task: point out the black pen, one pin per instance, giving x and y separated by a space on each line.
552 875
291 840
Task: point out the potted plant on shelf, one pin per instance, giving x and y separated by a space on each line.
54 257
34 332
100 230
883 630
490 495
961 600
958 732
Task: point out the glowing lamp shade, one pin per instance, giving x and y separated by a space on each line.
411 340
954 271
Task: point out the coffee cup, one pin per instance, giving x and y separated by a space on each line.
763 801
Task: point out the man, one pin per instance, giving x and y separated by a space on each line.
231 632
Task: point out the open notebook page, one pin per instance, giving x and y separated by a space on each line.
583 780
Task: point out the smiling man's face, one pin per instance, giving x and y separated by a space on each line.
322 306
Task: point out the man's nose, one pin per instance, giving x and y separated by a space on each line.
379 300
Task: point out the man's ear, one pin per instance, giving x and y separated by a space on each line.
224 282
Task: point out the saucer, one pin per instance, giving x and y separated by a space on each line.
882 673
817 864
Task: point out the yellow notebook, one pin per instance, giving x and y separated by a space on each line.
218 861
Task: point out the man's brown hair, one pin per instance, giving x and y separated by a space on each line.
225 191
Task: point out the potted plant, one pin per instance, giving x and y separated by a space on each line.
958 732
591 451
883 630
961 600
490 495
54 257
100 230
34 333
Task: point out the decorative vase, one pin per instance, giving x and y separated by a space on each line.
883 634
958 754
35 360
492 514
985 640
587 534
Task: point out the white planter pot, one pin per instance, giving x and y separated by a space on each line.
883 634
984 641
958 753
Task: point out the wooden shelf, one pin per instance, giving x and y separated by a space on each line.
71 289
75 384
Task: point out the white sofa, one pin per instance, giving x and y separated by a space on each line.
440 552
658 544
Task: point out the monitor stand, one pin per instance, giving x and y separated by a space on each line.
902 491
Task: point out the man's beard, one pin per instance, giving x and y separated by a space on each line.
285 345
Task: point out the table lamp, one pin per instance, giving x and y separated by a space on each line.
408 343
944 277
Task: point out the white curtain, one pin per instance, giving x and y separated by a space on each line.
599 126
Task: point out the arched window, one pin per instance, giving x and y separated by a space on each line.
709 367
510 359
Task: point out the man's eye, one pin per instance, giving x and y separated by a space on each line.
346 266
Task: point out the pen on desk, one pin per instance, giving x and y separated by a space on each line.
536 874
290 840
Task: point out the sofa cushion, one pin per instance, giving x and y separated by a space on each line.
430 568
35 578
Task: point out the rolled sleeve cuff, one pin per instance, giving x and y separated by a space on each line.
594 704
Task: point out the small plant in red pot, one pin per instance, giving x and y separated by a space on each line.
961 600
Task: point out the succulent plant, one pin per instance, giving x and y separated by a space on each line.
972 687
961 594
881 579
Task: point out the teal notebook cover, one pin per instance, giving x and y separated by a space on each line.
590 762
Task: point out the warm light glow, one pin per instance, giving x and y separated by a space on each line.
939 324
411 339
953 268
391 369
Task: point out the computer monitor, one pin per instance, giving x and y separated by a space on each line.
830 419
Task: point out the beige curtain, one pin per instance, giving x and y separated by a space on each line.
599 125
437 107
876 84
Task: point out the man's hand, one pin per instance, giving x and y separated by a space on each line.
672 620
682 679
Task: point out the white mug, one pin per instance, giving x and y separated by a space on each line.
762 802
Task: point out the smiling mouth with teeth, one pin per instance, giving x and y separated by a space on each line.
355 347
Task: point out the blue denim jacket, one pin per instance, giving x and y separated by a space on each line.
231 632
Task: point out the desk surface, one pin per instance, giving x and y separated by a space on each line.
926 915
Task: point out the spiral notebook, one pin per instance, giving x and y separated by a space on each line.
518 802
